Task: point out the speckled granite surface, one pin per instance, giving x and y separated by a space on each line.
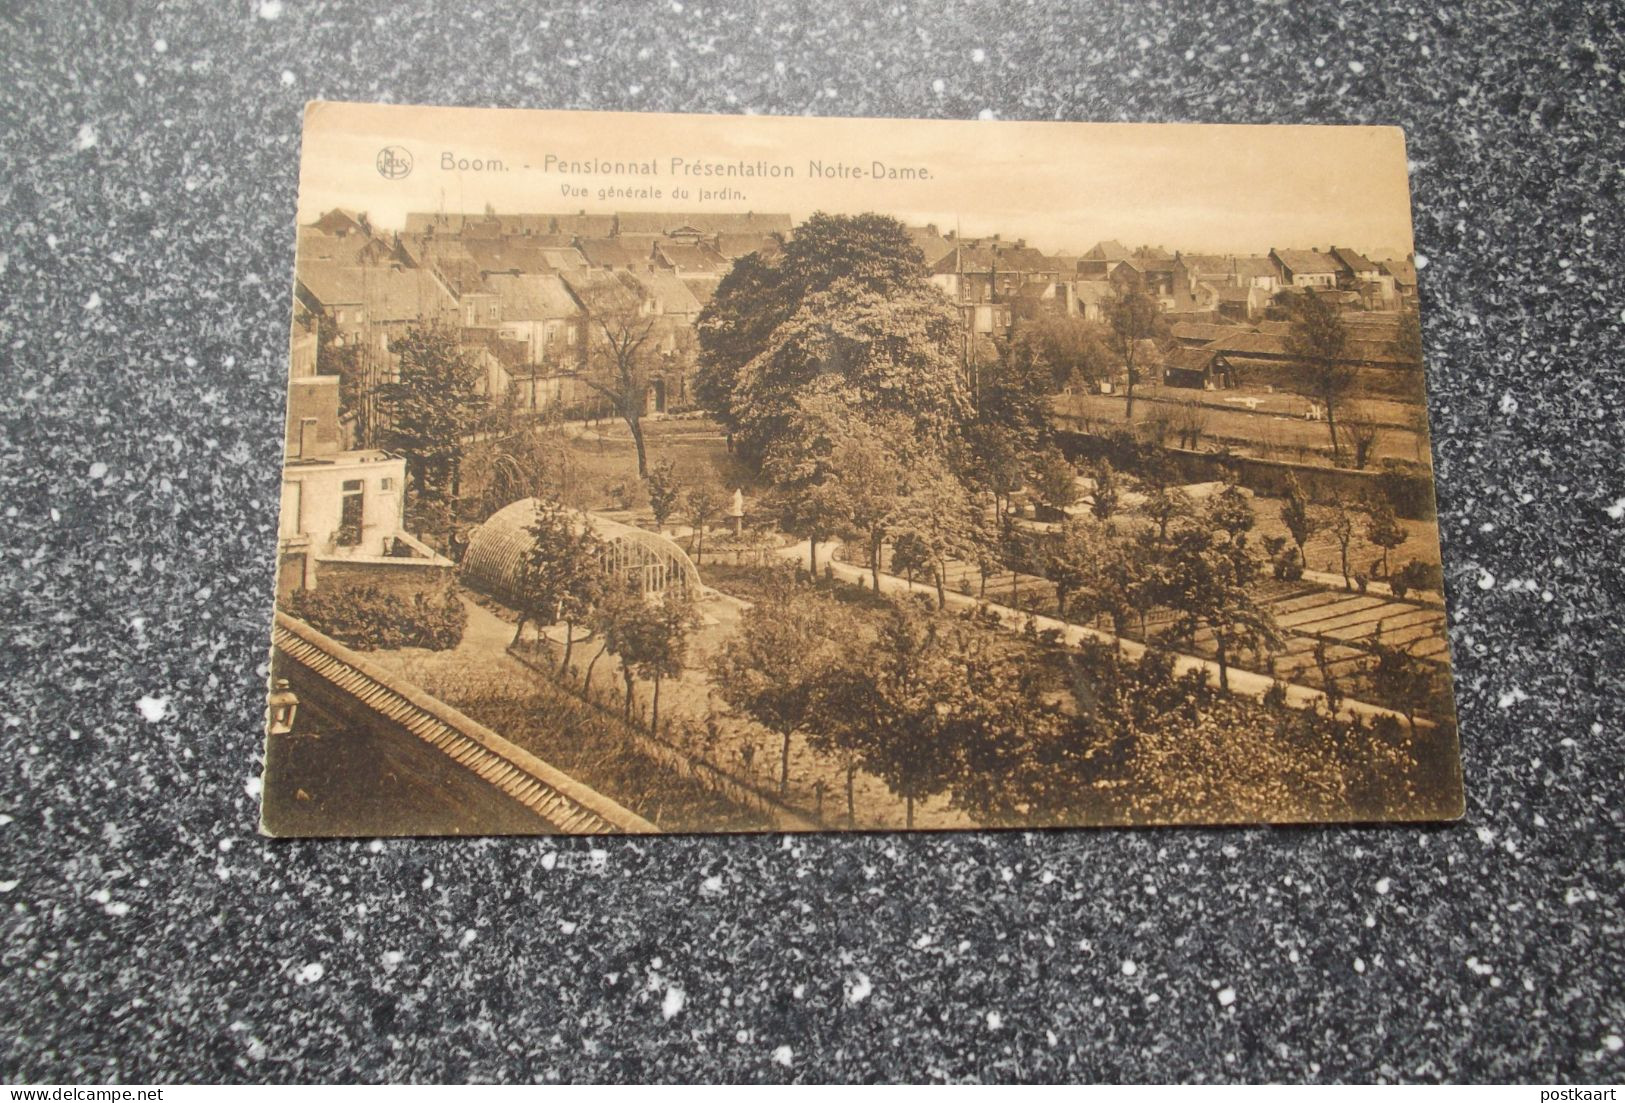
145 257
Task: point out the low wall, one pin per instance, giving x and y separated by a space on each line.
1409 493
402 577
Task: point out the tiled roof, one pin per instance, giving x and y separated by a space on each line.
606 252
734 246
1200 331
698 259
563 258
507 254
1273 344
1184 358
1356 262
1207 264
1248 267
341 221
1304 262
533 297
387 294
315 245
703 289
1403 271
596 289
1108 250
930 243
1250 343
713 222
984 257
671 292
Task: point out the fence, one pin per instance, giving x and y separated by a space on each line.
668 755
1410 493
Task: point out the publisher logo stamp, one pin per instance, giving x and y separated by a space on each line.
394 162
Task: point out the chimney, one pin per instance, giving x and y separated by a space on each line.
307 438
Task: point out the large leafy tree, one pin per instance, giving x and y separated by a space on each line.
936 516
1318 340
894 352
837 473
732 329
1295 515
872 250
665 492
1055 481
430 407
993 459
1068 350
1384 529
774 667
1069 556
848 295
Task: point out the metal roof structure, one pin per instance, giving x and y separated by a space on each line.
495 560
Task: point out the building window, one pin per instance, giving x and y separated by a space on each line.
349 531
386 484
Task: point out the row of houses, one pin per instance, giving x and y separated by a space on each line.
1213 356
997 282
522 289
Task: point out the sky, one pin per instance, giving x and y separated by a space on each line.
1062 186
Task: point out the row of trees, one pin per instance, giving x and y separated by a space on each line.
1198 563
565 581
1022 730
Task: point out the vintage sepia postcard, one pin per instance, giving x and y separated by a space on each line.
665 473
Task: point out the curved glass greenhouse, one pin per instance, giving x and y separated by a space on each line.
495 558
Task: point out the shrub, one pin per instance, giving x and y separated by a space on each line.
1285 562
369 619
1416 575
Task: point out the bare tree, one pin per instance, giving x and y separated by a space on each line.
1189 422
1339 521
1297 518
1361 436
705 503
1134 316
621 353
